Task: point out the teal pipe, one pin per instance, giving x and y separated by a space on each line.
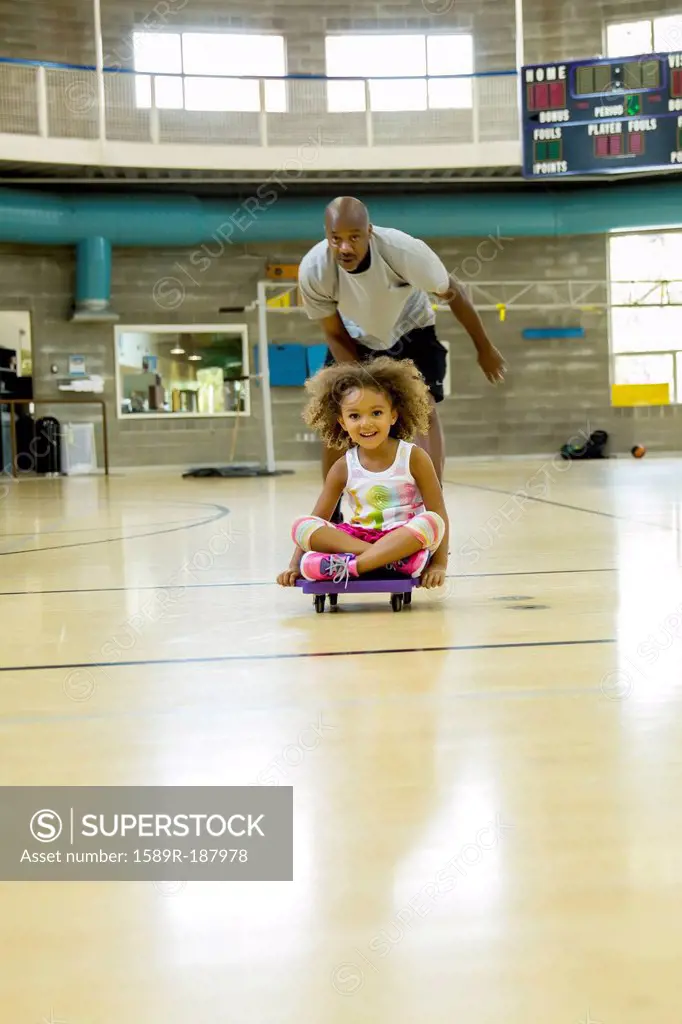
96 223
93 275
272 216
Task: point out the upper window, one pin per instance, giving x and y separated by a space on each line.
652 35
210 59
399 68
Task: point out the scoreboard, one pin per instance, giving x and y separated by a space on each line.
602 116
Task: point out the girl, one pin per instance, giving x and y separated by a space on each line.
398 518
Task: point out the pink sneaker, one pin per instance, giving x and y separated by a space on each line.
318 567
413 565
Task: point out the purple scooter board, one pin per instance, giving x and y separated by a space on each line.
399 587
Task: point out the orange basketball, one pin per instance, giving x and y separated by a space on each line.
639 451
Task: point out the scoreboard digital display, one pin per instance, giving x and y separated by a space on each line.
602 116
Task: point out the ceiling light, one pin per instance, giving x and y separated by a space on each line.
195 358
177 351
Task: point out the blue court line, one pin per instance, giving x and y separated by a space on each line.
304 655
273 583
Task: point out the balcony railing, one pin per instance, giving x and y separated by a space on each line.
60 101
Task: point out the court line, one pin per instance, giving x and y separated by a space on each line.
91 529
273 583
305 655
560 504
225 511
222 512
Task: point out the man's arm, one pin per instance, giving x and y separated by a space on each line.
490 360
342 346
419 265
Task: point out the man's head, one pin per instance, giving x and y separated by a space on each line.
348 230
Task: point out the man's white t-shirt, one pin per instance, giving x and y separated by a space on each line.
384 302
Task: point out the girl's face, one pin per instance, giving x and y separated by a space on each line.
367 417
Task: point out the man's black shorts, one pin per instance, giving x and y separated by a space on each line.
422 346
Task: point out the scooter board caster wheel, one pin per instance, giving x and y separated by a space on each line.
399 587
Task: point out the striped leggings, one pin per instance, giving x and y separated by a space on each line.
429 527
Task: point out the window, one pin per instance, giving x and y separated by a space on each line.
193 370
668 33
411 60
657 35
645 273
629 38
206 61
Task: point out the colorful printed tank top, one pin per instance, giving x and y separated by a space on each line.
380 501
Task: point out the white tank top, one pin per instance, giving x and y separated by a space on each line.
381 501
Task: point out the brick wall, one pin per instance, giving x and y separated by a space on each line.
574 29
61 30
554 389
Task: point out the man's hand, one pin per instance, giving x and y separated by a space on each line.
433 576
492 364
489 359
288 577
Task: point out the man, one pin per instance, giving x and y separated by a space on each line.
369 287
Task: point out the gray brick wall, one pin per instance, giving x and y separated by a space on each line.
61 30
574 29
554 388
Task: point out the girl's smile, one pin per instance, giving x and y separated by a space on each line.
367 417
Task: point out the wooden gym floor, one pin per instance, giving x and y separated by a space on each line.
487 787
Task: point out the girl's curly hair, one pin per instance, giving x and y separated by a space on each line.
400 381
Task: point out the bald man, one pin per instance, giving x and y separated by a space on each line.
369 287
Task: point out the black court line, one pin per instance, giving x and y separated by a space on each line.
529 572
91 529
303 655
224 511
273 583
560 504
221 513
530 497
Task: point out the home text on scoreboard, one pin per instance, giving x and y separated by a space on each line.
546 92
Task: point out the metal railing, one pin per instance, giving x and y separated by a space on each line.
62 101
